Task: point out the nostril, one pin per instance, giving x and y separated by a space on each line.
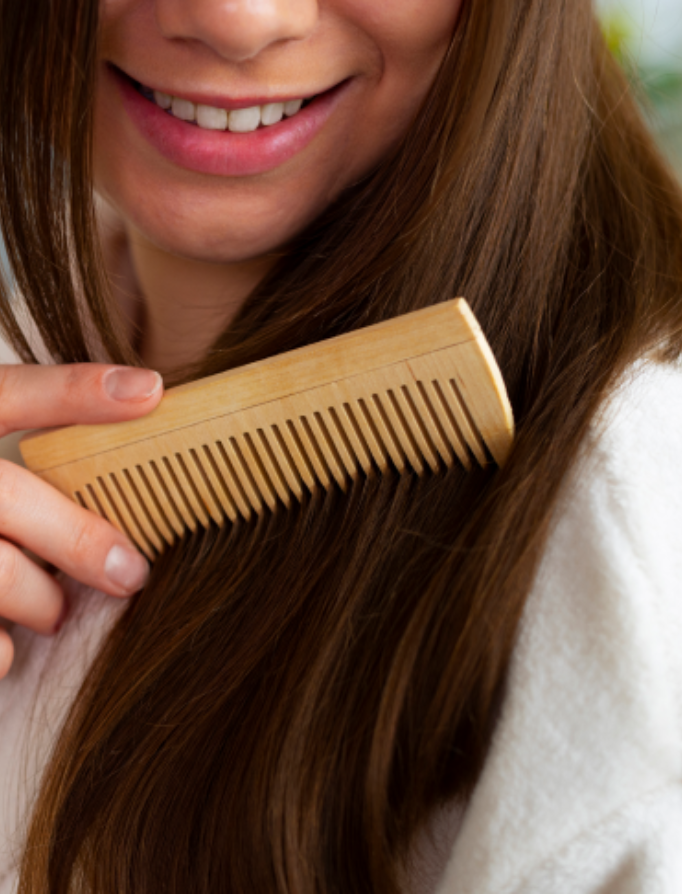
238 30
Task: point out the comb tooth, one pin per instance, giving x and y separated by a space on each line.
417 427
264 472
371 435
295 447
312 450
177 490
347 419
438 369
219 485
187 481
164 489
78 497
233 480
101 491
205 490
331 456
343 444
427 414
151 498
252 474
481 389
278 463
287 463
179 473
243 473
272 457
388 436
127 515
392 425
137 510
95 501
87 501
404 432
431 371
142 514
448 421
466 424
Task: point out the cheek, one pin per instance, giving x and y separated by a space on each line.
410 39
406 32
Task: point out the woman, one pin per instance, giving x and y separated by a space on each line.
459 683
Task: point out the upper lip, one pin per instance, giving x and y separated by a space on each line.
228 102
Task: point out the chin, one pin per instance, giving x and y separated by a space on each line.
215 235
216 226
204 243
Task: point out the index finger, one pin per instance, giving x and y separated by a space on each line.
34 396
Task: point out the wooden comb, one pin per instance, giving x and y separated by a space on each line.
419 391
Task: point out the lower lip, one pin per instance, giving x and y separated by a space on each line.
223 153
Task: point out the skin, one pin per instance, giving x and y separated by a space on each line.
186 248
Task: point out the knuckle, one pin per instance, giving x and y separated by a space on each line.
84 541
10 487
7 375
10 571
8 390
76 385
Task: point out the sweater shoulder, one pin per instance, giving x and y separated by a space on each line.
592 717
635 439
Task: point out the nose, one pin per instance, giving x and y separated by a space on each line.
237 29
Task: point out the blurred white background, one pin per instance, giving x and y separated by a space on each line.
646 35
655 28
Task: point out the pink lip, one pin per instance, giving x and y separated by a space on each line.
223 153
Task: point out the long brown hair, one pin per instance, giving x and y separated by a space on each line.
286 700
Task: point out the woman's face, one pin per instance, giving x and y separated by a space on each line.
233 186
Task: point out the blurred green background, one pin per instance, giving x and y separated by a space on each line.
646 37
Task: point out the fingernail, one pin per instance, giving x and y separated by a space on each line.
126 568
129 383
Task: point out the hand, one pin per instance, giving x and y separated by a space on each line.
36 516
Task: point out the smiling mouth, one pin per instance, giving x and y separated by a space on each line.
236 137
244 120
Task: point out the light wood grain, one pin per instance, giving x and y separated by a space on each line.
416 393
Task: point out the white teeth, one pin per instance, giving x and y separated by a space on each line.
291 107
163 100
244 120
211 118
272 113
183 109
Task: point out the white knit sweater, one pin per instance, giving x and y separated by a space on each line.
582 790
